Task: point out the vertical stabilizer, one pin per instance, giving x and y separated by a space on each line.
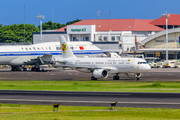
66 51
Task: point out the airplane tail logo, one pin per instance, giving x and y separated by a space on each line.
64 48
66 52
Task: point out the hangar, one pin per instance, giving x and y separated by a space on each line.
157 42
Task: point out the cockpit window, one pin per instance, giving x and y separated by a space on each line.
142 63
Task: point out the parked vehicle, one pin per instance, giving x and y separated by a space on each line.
153 61
170 63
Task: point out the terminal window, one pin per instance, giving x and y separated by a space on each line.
58 48
87 38
99 38
74 39
105 37
159 40
118 38
113 38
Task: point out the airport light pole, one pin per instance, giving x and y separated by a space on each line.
41 17
99 18
166 15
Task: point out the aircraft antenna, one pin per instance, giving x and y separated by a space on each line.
109 14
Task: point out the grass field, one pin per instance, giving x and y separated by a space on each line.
45 112
110 86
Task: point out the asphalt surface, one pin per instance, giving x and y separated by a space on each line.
152 100
155 74
123 99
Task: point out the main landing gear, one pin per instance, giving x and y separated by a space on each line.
35 68
93 78
136 78
18 68
116 77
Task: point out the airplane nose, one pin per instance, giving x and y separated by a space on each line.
148 67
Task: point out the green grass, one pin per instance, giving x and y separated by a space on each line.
110 86
45 112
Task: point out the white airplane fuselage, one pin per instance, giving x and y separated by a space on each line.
117 65
30 54
101 67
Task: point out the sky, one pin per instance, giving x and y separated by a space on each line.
62 11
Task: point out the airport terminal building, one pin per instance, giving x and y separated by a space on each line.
120 35
157 43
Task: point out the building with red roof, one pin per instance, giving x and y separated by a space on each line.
173 21
124 32
111 30
119 25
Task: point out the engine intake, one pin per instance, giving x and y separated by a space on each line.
100 73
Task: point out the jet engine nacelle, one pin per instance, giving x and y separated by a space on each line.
100 73
133 75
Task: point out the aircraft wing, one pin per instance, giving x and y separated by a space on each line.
63 62
45 58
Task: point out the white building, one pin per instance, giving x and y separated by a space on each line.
114 35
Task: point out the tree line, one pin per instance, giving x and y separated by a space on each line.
16 32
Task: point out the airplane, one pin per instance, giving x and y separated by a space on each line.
42 53
101 67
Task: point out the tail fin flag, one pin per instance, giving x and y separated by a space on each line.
66 51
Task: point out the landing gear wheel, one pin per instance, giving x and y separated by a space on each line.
32 69
24 69
37 69
93 78
115 77
137 78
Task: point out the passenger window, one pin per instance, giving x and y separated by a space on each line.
58 48
29 48
34 48
38 48
49 48
42 48
71 48
26 49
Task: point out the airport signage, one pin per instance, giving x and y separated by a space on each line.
78 30
157 54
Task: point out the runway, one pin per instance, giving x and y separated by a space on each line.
124 99
146 100
53 74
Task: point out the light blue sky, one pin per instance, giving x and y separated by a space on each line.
12 11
